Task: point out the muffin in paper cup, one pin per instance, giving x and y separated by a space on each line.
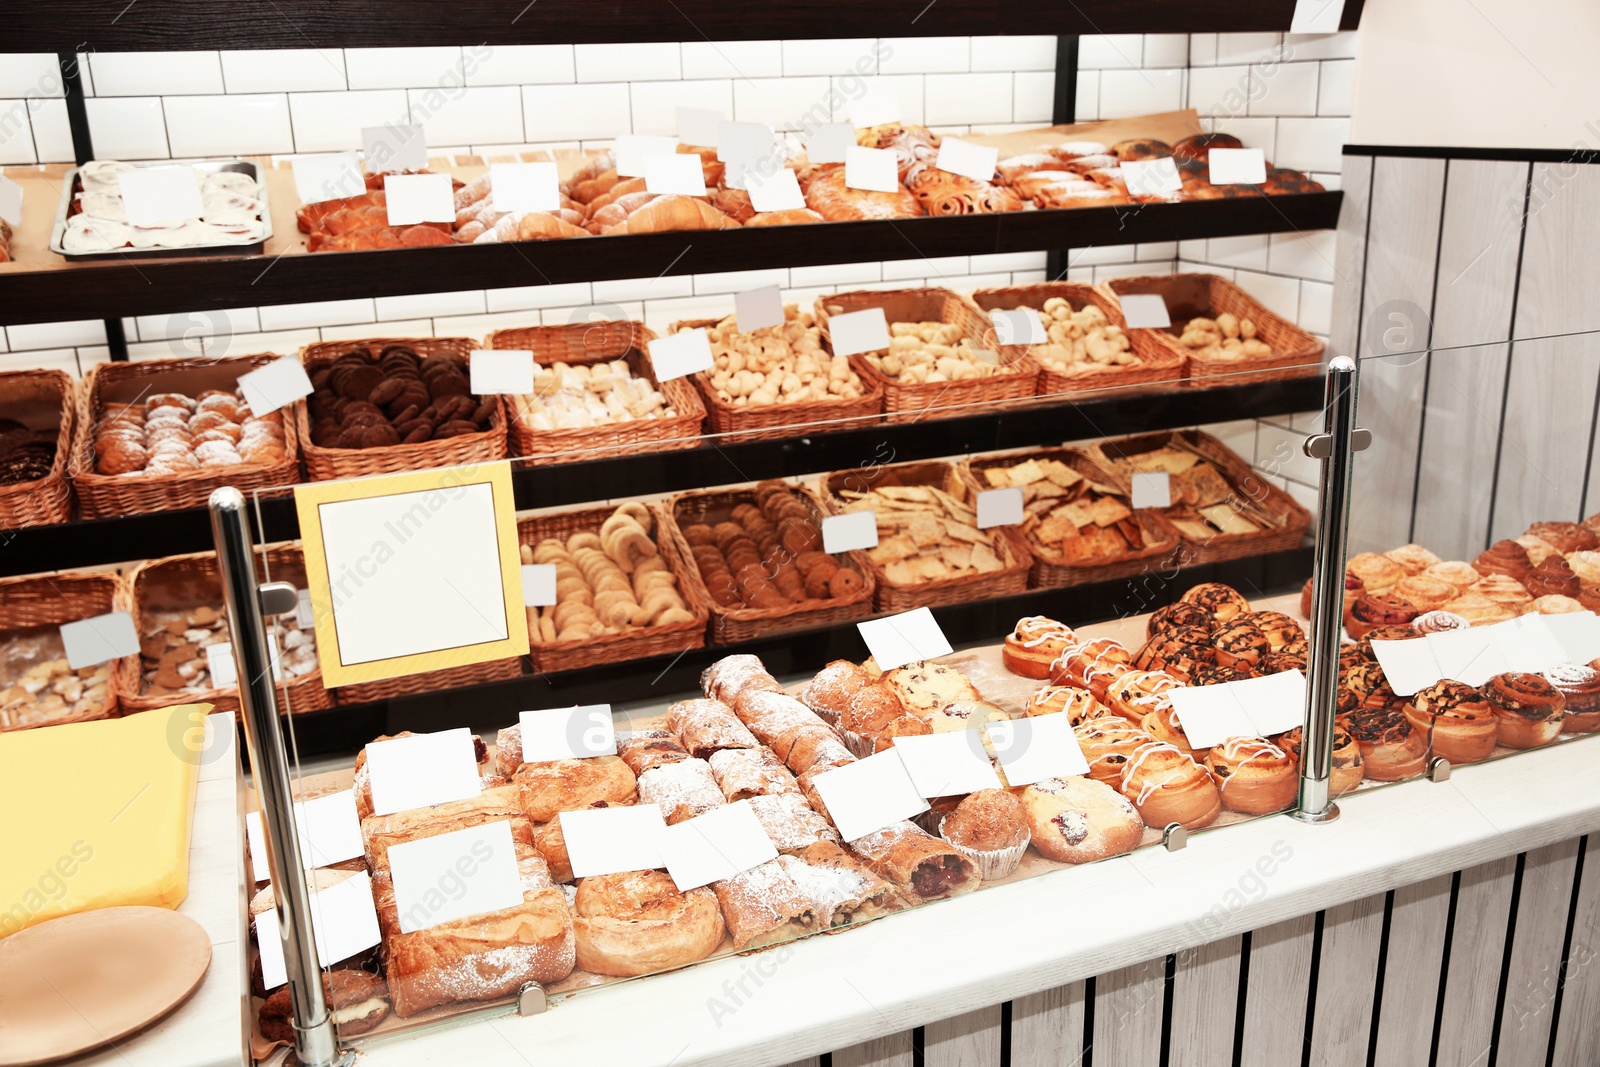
994 863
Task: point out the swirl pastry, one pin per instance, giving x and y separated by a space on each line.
1553 577
1504 558
1091 665
1391 748
828 196
1477 609
1280 630
1347 771
638 923
1378 609
1287 659
1423 593
1034 644
1370 685
1553 604
1222 602
1163 724
1579 685
1219 674
1383 633
1506 591
1353 588
1178 616
1453 572
1413 558
1168 787
1538 551
1586 565
1351 654
1240 643
1564 537
1177 651
1078 704
1078 820
1437 622
1527 707
1457 722
942 193
1107 743
1376 571
1253 775
1138 692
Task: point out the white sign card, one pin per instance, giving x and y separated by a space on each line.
698 125
305 616
393 147
1238 166
1018 326
849 532
567 733
523 187
99 638
871 169
328 177
1408 665
1035 748
155 195
830 142
416 198
1000 507
610 840
719 844
1254 707
330 832
674 175
422 770
344 922
630 149
10 201
858 331
538 585
756 309
1151 177
947 764
455 875
744 147
501 370
1316 16
1152 489
1578 632
1144 311
969 160
276 385
865 796
219 661
905 638
679 354
877 107
1528 644
778 191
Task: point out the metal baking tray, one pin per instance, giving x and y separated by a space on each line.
69 188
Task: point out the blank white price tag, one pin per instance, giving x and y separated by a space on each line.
567 733
330 832
630 149
858 331
422 770
10 201
305 616
1578 632
1527 644
681 353
455 876
523 187
830 142
969 160
414 198
539 585
677 174
276 385
943 765
344 921
904 638
1035 748
219 661
877 107
849 532
1316 16
1254 707
1471 656
999 507
392 147
721 843
329 177
745 147
871 169
1238 166
778 191
100 638
1018 326
609 840
1151 177
698 126
1152 489
501 370
1144 311
155 195
755 309
1408 665
865 796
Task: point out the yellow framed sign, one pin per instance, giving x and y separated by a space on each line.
413 572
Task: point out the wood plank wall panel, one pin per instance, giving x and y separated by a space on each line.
970 1040
1352 936
1047 1028
1477 945
1205 1003
1578 1035
1276 991
1534 968
1418 922
891 1050
1128 1007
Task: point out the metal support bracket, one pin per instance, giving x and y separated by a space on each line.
1439 770
1320 445
278 598
1175 837
531 999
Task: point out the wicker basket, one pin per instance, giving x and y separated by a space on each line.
731 625
1259 495
325 464
1016 377
582 344
192 580
108 495
495 670
40 400
775 421
1051 570
1157 364
67 596
1012 578
634 642
1295 353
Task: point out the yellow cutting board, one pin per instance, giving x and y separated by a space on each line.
97 814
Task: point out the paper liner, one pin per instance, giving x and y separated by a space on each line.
992 863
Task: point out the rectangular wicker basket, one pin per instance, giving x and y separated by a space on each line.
67 596
42 400
108 495
1017 375
584 344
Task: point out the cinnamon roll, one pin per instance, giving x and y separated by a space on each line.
1222 602
1218 674
1391 748
1438 622
1177 616
1453 572
1564 537
1579 685
1078 704
1253 775
1240 643
1457 722
1169 787
1423 593
1284 660
1553 577
1384 633
1538 551
1528 708
1091 665
1034 644
1107 743
1505 558
1137 692
1353 588
1177 652
1509 593
1376 571
1163 724
1478 609
1280 629
1378 609
1347 771
1368 682
1553 605
1414 559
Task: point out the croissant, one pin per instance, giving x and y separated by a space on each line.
673 213
829 197
616 192
542 225
472 192
735 203
783 218
308 216
1028 184
617 212
594 168
942 193
1014 167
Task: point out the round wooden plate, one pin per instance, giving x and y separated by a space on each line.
81 981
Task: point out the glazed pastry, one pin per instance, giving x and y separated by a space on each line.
644 749
1219 674
1456 721
725 679
1253 775
1079 820
682 790
1425 594
1286 660
1553 577
1586 565
1528 708
638 923
551 842
1377 572
742 773
1347 771
831 688
1353 588
763 906
1240 643
1479 610
1453 572
1034 644
1280 629
1506 559
1435 622
1378 609
1168 787
1553 605
1136 693
1078 704
1391 749
1384 633
790 822
839 887
1091 665
920 866
1579 685
1538 551
1222 602
1413 559
1177 616
990 828
1108 743
1368 682
545 789
1163 724
1177 652
926 687
1564 537
706 726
